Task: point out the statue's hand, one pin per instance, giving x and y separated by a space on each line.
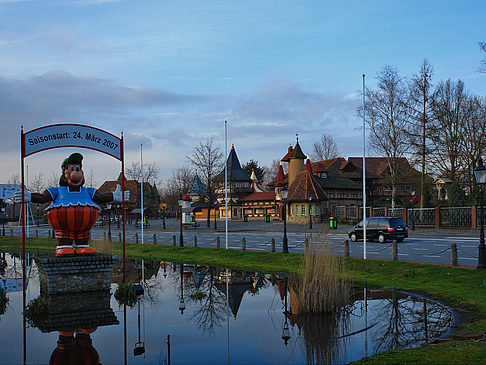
18 196
117 194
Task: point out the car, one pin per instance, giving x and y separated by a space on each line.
381 229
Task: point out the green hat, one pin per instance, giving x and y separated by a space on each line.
74 158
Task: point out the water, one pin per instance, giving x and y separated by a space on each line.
253 330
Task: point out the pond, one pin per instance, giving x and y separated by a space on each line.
185 316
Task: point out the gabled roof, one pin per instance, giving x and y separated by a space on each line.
235 172
132 185
379 165
305 186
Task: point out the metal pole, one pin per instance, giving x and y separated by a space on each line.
123 212
364 173
141 191
481 247
226 185
285 246
181 237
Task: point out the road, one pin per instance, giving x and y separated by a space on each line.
432 246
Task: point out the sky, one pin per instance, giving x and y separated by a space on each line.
169 73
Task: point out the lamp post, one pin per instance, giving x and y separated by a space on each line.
283 197
118 215
37 215
480 174
413 206
310 212
216 209
181 237
108 206
3 218
164 206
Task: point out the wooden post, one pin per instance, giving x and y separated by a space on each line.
173 240
218 243
437 217
11 232
136 237
346 248
272 245
243 244
394 250
474 217
36 233
195 241
119 237
155 239
104 236
454 254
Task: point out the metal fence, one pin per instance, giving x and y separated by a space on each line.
379 212
352 212
455 217
424 217
395 212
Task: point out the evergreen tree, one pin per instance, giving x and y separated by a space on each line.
259 171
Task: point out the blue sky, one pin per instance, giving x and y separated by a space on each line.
168 74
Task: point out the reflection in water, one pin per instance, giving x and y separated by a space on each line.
258 308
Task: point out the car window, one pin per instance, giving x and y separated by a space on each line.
359 225
382 223
395 222
371 223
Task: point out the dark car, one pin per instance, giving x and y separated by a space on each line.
381 229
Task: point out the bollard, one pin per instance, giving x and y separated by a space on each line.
306 244
49 234
173 240
195 241
454 254
11 232
119 237
243 244
136 237
272 245
394 250
155 239
218 243
104 236
53 234
346 248
109 237
36 233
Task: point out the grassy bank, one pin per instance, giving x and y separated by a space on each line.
459 287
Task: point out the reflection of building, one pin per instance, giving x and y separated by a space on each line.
239 282
239 185
134 270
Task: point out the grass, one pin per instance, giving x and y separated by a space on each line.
459 287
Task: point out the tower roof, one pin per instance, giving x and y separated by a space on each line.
235 172
306 186
197 187
297 152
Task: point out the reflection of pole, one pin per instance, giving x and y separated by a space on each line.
168 349
426 330
366 319
182 305
125 332
285 331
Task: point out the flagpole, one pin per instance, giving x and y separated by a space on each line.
226 180
364 173
141 190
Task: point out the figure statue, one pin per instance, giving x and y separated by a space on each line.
73 210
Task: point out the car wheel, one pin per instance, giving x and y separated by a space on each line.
353 237
381 238
400 240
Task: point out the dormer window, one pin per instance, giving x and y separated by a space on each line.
324 175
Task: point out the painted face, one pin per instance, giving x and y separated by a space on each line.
74 175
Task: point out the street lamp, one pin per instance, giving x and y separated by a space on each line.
216 209
284 192
181 237
164 205
310 212
108 206
480 174
412 200
37 215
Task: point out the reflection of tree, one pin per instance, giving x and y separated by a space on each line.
212 308
412 321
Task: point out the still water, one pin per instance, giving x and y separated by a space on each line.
185 316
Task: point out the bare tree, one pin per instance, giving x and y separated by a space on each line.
150 172
387 116
208 160
90 179
420 91
449 112
37 184
325 148
179 182
53 179
14 179
271 171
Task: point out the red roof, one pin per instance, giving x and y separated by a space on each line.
259 196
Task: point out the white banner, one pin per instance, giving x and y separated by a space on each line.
7 191
71 135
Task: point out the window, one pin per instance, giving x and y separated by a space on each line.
302 209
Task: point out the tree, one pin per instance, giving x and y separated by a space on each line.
387 116
325 149
14 179
150 172
420 92
271 171
449 111
37 184
259 171
177 184
207 159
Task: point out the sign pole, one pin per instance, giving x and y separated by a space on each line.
122 155
22 187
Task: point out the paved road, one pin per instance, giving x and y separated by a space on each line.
423 245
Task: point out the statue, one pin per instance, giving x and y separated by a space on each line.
74 208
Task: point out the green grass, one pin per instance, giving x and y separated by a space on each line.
459 287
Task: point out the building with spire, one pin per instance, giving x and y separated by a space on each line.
239 185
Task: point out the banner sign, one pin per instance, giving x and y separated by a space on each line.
7 191
71 135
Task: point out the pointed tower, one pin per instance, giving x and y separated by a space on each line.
296 162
